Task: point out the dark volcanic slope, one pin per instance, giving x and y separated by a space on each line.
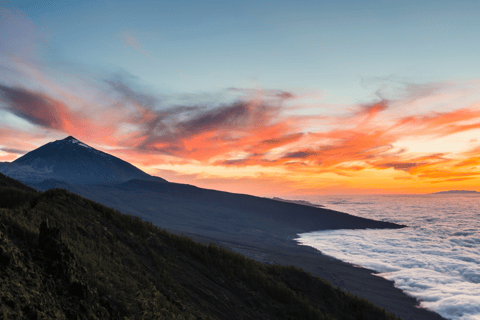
73 161
65 257
214 213
303 217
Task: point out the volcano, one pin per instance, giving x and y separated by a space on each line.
72 161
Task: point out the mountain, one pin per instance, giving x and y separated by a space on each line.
72 161
66 257
259 228
72 165
302 202
457 192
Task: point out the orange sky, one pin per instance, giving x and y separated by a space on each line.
263 142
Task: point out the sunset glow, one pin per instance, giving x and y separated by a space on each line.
409 137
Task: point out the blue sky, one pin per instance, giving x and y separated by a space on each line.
345 49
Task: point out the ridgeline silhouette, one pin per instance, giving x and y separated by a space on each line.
65 257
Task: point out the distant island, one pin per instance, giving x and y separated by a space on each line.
457 192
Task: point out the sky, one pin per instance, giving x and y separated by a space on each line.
270 98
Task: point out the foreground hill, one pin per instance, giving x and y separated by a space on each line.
66 257
73 161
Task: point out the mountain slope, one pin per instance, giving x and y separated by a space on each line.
217 214
304 218
65 257
73 161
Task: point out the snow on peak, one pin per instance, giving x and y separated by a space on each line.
83 145
75 141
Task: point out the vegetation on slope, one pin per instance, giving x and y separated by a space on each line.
66 257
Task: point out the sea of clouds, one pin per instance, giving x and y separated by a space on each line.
436 259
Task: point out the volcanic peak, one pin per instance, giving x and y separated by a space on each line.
71 138
72 161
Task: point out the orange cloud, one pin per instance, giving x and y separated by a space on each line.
14 143
44 111
257 137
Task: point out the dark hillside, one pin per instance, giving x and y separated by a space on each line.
7 182
13 192
65 257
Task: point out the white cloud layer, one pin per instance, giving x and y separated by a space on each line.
436 260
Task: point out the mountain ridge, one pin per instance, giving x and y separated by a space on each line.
72 161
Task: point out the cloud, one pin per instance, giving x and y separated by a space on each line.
200 132
399 165
266 93
372 109
299 155
255 131
235 162
48 113
127 93
135 44
13 150
233 116
288 138
419 259
16 142
42 110
443 123
35 108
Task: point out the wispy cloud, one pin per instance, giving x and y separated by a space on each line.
47 112
137 45
14 151
36 108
